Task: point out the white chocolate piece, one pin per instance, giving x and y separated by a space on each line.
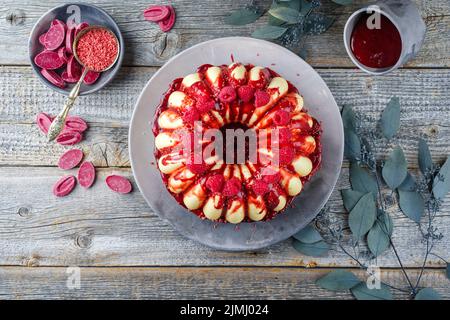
304 116
236 212
280 84
165 140
281 203
245 172
169 163
180 180
211 209
302 165
297 100
238 72
218 117
291 183
255 73
169 119
194 197
227 172
236 172
213 75
310 144
190 79
294 186
256 208
176 99
217 166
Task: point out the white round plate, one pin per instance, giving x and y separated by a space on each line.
318 101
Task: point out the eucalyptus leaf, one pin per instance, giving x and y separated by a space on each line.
269 32
425 160
317 249
350 198
362 180
395 168
362 292
338 280
286 14
409 184
378 238
427 294
293 4
317 23
412 204
362 216
441 184
352 145
349 119
343 2
243 16
390 118
306 6
309 234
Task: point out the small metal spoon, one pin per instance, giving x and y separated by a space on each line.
58 123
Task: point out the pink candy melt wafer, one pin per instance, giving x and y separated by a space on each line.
64 186
75 123
69 138
54 37
167 24
43 121
70 159
53 77
49 60
119 184
156 13
91 77
86 174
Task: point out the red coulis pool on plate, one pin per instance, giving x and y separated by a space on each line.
376 48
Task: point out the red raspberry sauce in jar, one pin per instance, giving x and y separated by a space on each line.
376 48
97 49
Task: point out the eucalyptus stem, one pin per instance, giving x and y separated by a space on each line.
390 238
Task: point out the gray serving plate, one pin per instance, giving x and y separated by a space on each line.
90 14
249 235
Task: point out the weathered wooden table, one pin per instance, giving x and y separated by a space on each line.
123 248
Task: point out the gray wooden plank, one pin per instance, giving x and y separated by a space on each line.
185 283
147 45
421 91
97 227
424 97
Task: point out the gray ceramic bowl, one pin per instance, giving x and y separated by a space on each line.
90 14
318 100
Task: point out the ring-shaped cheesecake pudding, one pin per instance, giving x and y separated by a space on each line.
237 96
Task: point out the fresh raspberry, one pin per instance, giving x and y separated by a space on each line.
205 105
232 187
227 94
286 155
215 183
272 200
260 187
197 168
284 135
270 175
261 98
281 118
191 115
246 93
